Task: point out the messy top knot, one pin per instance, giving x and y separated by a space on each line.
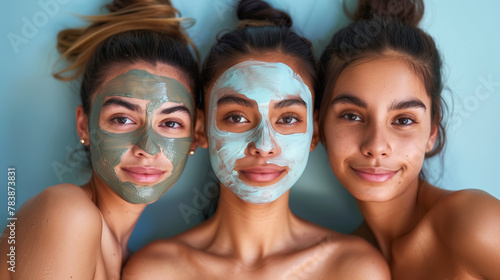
133 31
260 13
77 45
405 11
263 29
386 28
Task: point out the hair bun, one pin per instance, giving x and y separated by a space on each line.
260 13
406 11
77 45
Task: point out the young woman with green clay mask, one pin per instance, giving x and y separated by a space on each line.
138 86
259 86
138 113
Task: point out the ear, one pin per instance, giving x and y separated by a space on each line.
432 139
315 138
200 135
82 125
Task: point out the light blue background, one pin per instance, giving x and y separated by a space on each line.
37 125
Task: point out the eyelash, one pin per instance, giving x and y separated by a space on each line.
348 117
180 124
231 115
116 121
412 121
289 115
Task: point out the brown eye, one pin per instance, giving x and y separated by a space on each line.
171 124
289 119
351 117
404 121
237 118
122 120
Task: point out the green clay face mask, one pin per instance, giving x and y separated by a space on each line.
107 149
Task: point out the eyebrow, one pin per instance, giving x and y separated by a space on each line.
290 102
397 105
122 103
350 99
171 110
407 104
232 99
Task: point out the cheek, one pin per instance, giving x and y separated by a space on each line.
413 152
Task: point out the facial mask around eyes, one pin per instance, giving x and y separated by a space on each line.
262 82
107 149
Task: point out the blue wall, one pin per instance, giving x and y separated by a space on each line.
37 127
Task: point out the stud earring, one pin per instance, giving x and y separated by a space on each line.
82 141
191 152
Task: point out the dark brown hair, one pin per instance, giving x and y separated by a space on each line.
261 28
133 31
386 28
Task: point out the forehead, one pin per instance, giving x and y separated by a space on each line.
385 77
261 81
144 85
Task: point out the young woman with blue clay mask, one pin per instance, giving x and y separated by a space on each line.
259 92
139 81
259 107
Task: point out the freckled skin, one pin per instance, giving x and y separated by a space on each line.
424 232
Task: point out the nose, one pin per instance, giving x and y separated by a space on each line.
147 144
376 143
264 145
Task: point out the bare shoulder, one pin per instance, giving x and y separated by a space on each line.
466 211
354 258
468 223
51 227
347 256
160 259
168 258
64 204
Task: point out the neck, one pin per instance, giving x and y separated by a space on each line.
119 215
249 231
390 220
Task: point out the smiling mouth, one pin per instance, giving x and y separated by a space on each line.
144 174
375 175
262 175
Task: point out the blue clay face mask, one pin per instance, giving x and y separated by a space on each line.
161 96
263 85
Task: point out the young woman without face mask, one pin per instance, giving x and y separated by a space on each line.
381 116
259 89
136 119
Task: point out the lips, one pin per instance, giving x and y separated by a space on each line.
262 174
144 174
374 174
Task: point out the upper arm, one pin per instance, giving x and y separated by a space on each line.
473 232
58 236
